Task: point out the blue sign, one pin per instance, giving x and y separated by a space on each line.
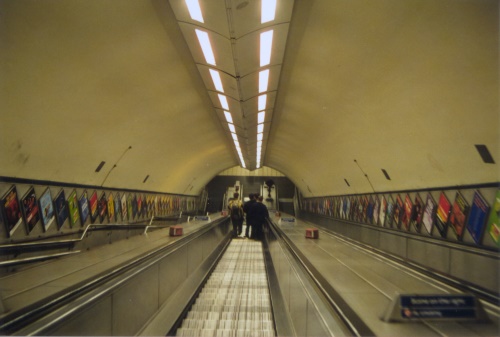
202 218
287 219
437 306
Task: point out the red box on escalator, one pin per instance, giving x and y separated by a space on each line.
312 233
176 230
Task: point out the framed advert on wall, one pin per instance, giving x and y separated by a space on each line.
11 211
477 217
46 209
61 207
30 209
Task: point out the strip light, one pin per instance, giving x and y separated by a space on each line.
216 79
261 116
262 102
263 80
223 102
268 11
206 47
260 128
195 10
228 116
266 43
231 127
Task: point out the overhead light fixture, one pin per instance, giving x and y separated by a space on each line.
260 136
223 102
195 10
235 137
262 102
228 116
216 79
261 116
259 143
268 11
206 47
263 80
231 127
260 128
266 43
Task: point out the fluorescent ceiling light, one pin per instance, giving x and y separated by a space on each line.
266 42
206 47
268 11
223 102
235 137
262 102
259 143
261 116
216 79
195 10
260 128
260 136
228 116
231 127
263 80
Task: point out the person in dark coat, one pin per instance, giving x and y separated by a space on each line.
259 214
246 209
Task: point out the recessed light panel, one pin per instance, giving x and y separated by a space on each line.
206 47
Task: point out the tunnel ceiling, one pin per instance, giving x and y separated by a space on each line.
360 88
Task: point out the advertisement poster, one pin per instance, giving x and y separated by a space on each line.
102 207
459 215
134 207
443 214
493 220
398 212
11 211
477 217
369 211
390 212
94 206
429 217
47 209
74 214
407 210
139 206
417 213
347 208
30 210
83 204
376 208
61 207
383 211
130 207
118 207
343 206
111 208
124 208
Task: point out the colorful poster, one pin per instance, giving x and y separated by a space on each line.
134 207
130 207
83 204
61 207
118 207
477 217
417 213
30 209
493 220
459 215
11 211
102 207
94 206
111 208
376 209
124 207
429 215
74 214
390 212
383 211
397 212
443 214
47 209
406 215
139 206
369 211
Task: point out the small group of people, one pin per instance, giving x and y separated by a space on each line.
255 213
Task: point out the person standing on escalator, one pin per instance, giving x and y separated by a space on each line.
246 209
260 214
236 214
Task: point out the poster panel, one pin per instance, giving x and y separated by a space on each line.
369 210
83 204
74 214
124 207
459 215
348 208
94 206
134 207
406 214
383 211
11 211
397 212
139 206
102 207
46 209
111 208
61 207
443 214
376 209
389 212
477 217
30 209
429 215
417 213
118 212
493 220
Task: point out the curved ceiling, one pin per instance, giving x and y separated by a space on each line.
406 86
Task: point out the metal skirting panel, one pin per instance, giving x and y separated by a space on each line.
477 269
433 256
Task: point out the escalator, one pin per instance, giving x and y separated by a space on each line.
235 300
